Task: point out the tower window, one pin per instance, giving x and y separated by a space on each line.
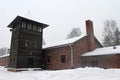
17 26
63 58
23 25
29 26
39 29
34 27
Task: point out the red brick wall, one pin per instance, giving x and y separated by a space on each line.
104 61
4 61
55 58
80 47
109 61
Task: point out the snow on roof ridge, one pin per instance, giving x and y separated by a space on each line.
63 42
31 17
103 51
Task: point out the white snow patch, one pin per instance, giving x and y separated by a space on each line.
70 74
103 51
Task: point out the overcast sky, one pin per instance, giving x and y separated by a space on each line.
61 15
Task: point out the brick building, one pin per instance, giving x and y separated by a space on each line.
4 60
107 57
81 51
67 54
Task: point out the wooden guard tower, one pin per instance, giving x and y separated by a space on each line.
26 43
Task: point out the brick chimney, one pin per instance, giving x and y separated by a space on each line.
90 34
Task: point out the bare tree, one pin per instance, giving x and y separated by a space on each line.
117 37
74 33
4 51
111 33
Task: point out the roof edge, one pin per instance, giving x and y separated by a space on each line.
62 45
18 18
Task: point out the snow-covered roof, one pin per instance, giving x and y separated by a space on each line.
103 51
4 55
19 18
64 42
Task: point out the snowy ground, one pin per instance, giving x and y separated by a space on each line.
70 74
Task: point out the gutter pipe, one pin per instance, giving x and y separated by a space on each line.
71 55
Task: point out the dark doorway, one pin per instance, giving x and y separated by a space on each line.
30 62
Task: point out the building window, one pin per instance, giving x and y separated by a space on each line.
48 59
34 27
94 63
23 25
63 58
39 29
17 26
29 26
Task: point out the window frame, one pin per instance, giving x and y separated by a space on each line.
39 29
23 25
34 28
63 58
29 26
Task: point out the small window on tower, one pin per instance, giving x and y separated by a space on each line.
34 27
39 29
29 26
17 26
23 25
63 58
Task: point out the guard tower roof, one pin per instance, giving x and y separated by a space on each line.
19 18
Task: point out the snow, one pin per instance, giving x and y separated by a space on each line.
4 55
30 17
64 42
103 51
70 74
